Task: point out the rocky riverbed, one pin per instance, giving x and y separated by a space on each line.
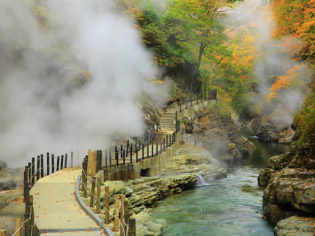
220 135
177 175
185 160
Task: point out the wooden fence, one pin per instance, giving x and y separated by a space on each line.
93 162
132 153
35 170
120 155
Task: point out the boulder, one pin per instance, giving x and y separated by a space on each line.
294 226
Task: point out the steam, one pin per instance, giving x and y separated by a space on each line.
272 61
71 77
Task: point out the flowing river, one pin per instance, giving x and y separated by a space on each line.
230 206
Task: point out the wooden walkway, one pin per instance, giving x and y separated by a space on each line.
56 209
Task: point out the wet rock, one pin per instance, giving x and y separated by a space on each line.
290 186
149 192
222 137
146 224
279 162
267 130
250 189
7 183
294 225
6 197
118 187
264 176
10 178
193 159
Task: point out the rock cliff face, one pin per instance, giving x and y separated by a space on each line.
267 130
223 137
289 182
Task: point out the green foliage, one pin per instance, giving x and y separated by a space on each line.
304 122
184 39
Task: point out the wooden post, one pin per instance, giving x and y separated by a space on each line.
61 163
132 227
71 159
48 164
106 205
116 215
25 183
38 168
93 164
148 151
26 216
18 222
41 165
124 157
57 163
3 232
136 147
29 174
106 157
98 196
166 140
89 163
152 149
116 156
32 220
66 160
156 149
110 158
33 171
29 213
84 186
92 191
121 151
127 216
142 151
122 215
127 148
99 160
52 163
131 153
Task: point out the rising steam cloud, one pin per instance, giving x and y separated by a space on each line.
71 76
272 61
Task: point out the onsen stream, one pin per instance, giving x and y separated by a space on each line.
229 206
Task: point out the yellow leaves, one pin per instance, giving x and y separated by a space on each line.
158 81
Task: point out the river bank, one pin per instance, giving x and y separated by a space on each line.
186 160
289 194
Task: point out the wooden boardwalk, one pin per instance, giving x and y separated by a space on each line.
56 209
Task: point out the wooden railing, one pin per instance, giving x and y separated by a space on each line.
133 153
32 173
120 156
93 162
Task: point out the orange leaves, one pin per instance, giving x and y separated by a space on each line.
296 17
282 82
290 79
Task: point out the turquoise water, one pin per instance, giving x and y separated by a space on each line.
230 206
